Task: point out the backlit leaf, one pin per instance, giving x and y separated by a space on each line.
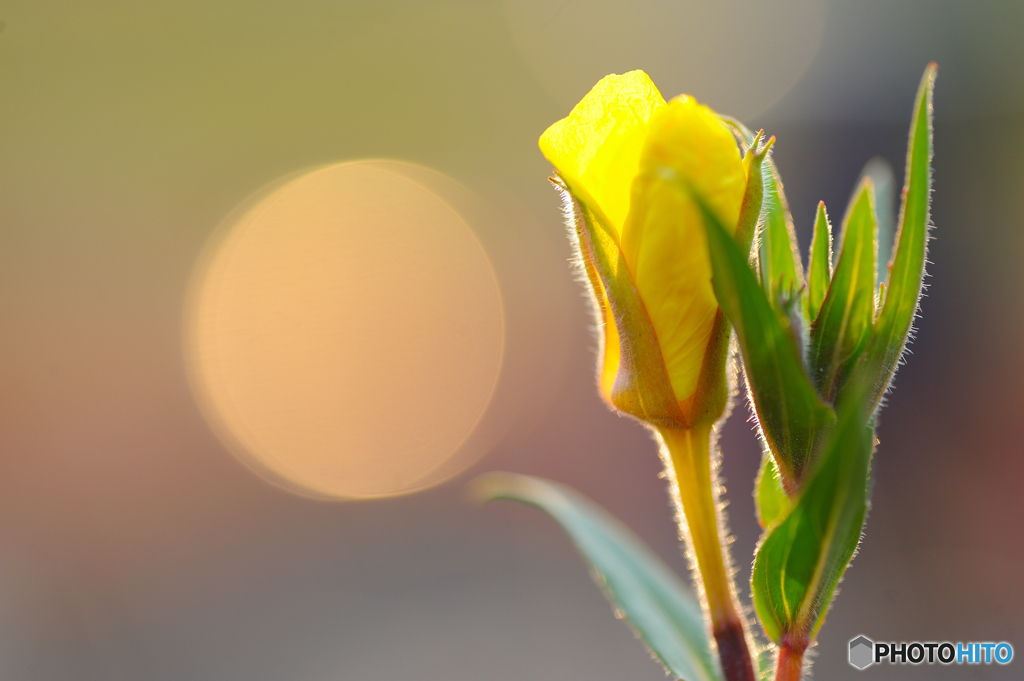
788 409
781 272
638 584
841 329
772 501
906 270
798 565
819 268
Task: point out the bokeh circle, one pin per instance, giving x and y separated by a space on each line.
344 332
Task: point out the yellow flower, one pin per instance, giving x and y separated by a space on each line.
637 174
633 162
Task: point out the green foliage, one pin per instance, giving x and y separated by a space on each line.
839 333
781 274
756 160
819 268
772 501
906 270
852 355
638 584
789 410
813 516
802 559
778 257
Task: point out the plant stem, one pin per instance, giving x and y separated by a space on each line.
687 455
790 665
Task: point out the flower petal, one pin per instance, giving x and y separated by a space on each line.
596 149
664 241
610 357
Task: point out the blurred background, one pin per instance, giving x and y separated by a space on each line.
219 459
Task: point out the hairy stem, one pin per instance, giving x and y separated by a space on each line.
790 665
687 455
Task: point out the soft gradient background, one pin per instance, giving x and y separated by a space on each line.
134 546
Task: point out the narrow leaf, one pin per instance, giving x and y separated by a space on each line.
819 268
772 502
881 174
841 329
906 270
781 272
799 564
648 594
788 409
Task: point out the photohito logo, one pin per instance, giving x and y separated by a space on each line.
861 652
864 652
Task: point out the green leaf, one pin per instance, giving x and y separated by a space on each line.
906 270
798 565
819 268
781 272
789 411
841 330
638 584
881 174
772 501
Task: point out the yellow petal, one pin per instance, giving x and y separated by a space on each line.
664 241
596 149
610 357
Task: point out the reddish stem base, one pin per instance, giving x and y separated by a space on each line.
791 664
734 654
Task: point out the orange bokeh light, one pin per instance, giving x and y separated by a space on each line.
344 332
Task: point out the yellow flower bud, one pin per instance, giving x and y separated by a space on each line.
635 162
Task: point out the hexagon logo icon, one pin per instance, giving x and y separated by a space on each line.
862 652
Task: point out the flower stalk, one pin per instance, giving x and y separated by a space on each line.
691 471
634 171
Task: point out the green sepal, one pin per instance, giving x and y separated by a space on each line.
642 387
772 501
800 562
819 267
841 329
789 411
647 594
907 268
779 255
757 165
